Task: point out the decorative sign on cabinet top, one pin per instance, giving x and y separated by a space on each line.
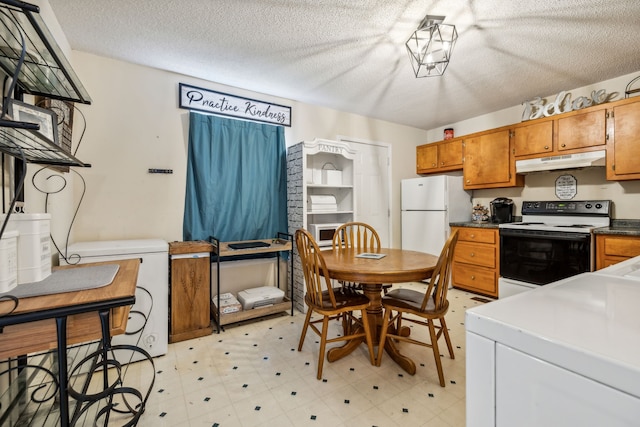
209 101
539 107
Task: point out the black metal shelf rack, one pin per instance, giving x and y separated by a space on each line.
30 54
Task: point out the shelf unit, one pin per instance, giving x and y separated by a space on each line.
222 252
317 155
30 54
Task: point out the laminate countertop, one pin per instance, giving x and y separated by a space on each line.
621 227
474 224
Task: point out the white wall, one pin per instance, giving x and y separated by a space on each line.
134 124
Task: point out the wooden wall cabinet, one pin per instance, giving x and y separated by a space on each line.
443 156
582 129
489 162
574 132
533 138
476 261
190 281
612 249
488 158
623 150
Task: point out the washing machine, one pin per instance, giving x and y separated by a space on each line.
148 325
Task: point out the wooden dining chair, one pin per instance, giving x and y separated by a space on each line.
361 237
330 303
428 307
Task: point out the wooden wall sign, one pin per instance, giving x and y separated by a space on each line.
538 107
224 104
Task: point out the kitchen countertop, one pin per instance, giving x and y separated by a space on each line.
621 227
474 224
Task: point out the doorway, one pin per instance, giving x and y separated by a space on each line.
373 184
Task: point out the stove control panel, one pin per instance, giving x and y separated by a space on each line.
557 207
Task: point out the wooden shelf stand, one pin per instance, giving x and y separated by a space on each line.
223 252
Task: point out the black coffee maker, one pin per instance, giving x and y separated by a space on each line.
501 210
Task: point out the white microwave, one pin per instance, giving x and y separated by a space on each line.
323 233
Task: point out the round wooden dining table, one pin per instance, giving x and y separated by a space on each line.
396 266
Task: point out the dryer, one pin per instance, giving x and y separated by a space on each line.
148 325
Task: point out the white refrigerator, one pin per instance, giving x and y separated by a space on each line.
429 204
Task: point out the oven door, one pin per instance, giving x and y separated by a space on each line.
541 257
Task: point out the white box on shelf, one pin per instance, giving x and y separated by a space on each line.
8 261
322 203
34 247
260 297
331 177
228 303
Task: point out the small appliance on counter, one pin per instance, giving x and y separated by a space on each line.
501 210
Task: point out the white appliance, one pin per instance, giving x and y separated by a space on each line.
565 161
260 297
564 354
148 324
323 233
429 204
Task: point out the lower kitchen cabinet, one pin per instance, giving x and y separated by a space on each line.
190 272
612 249
476 260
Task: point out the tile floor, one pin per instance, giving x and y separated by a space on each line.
252 375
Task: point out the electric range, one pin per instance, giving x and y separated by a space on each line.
554 241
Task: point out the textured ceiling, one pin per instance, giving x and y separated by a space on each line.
350 55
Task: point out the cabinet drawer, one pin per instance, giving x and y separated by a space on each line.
474 278
476 254
622 246
479 235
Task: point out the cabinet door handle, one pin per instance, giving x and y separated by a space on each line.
473 236
546 147
433 164
472 255
473 277
563 145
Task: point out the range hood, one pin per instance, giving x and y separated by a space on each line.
566 161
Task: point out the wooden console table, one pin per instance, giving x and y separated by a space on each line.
55 321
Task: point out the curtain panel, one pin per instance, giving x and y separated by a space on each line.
236 180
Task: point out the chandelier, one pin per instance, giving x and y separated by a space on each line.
430 46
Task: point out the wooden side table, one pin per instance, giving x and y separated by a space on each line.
190 281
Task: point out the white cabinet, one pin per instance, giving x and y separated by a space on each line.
317 193
328 182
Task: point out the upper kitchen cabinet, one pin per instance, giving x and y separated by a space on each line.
623 150
443 156
582 129
488 161
531 139
577 131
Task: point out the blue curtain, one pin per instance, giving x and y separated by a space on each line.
236 180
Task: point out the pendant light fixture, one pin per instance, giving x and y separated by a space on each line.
430 46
